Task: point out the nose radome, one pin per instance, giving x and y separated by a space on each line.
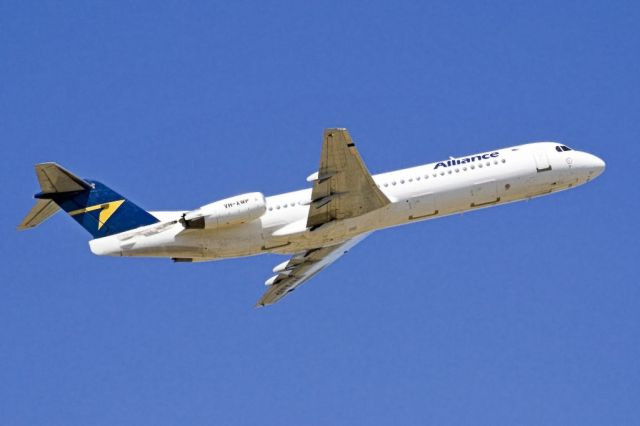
600 164
595 164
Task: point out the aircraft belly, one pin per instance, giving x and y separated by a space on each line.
329 234
234 241
176 242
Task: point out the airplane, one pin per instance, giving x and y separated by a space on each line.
317 225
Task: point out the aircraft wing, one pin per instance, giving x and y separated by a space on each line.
342 187
301 267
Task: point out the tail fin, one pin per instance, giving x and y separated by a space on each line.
100 210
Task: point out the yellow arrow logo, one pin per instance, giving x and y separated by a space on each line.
106 211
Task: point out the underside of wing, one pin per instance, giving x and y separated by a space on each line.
301 267
342 187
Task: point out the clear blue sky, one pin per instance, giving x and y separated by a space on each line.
525 314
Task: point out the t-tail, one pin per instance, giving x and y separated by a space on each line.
99 209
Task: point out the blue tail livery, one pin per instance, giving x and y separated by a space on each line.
96 207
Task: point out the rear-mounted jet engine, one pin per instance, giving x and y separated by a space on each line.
230 211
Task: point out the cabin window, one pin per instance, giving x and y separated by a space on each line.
457 170
418 178
402 181
504 161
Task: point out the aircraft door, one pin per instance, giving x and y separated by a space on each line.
542 161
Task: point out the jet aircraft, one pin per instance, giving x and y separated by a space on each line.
317 225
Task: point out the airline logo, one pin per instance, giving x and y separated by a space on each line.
466 160
106 211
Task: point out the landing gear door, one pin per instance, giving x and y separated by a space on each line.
422 207
484 194
542 162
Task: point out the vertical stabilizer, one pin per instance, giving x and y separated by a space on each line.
99 209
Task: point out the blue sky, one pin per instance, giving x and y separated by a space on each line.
524 314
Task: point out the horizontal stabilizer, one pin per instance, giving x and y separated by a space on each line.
54 178
42 211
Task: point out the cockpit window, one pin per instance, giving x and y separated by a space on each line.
561 148
558 148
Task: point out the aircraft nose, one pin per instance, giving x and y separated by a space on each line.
594 165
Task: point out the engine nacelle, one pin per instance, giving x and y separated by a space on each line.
230 211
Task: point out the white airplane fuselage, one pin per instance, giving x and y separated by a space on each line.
419 193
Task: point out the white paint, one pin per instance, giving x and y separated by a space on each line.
418 193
